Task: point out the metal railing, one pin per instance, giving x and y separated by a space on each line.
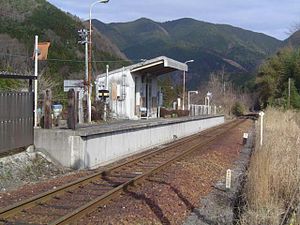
199 110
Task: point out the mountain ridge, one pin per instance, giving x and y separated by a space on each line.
207 43
21 20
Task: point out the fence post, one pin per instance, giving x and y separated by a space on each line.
72 118
47 108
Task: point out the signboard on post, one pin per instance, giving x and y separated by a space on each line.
77 85
103 94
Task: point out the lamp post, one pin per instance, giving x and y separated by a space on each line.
89 78
183 88
189 97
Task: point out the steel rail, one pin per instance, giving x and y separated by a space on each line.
101 200
45 196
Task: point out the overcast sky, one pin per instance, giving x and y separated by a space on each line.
272 17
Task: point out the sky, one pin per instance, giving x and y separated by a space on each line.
272 17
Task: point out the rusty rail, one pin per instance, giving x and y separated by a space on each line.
208 136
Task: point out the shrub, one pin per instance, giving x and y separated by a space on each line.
238 109
173 113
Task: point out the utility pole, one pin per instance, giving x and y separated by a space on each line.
289 97
83 33
89 101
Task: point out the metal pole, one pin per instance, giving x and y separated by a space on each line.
106 85
36 81
105 101
183 90
89 103
189 95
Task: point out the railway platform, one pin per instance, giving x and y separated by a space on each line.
96 145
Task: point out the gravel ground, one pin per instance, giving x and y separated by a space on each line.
222 205
167 198
172 195
26 167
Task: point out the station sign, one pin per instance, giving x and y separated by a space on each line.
103 93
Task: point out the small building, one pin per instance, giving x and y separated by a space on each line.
133 90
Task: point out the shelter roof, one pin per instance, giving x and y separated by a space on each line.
156 66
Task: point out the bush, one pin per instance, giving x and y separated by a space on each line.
173 113
238 109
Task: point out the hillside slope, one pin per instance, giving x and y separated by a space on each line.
21 20
293 40
212 46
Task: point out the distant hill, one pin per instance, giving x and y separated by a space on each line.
293 40
212 46
21 20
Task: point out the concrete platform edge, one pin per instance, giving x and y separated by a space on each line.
88 149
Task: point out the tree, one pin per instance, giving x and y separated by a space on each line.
224 94
170 91
273 76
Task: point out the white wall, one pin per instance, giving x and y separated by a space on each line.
103 149
125 108
73 150
121 108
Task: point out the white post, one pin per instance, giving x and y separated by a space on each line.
228 179
189 93
178 103
106 85
36 55
261 126
183 90
105 101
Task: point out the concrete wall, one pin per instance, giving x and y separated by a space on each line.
91 149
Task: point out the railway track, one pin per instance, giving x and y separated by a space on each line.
74 200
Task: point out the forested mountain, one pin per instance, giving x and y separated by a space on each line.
212 46
293 40
21 20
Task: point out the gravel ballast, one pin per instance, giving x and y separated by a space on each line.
167 198
222 205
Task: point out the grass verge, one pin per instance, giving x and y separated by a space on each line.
274 170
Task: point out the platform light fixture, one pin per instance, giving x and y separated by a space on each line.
183 88
189 97
89 77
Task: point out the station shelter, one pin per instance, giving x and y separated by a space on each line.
133 90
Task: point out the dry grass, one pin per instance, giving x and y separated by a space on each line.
274 171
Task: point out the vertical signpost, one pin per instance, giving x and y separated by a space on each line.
261 114
228 179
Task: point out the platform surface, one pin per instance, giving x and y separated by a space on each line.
123 125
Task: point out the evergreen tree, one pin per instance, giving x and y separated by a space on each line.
273 76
